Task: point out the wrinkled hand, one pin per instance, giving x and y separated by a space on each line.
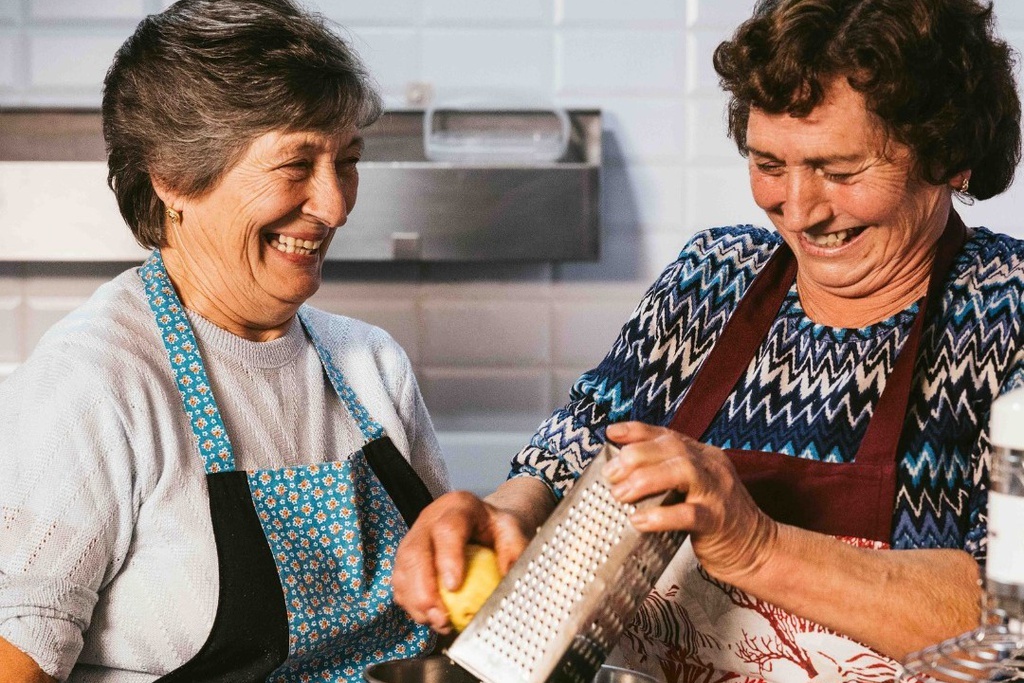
435 546
731 536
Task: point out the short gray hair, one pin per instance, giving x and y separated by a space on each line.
194 85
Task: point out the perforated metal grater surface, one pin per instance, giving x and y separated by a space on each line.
562 607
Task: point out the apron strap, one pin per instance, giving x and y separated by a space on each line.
370 428
886 425
398 478
187 365
249 636
745 330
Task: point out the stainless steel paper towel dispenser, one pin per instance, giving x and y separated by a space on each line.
52 174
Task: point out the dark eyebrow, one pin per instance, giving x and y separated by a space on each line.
813 161
306 146
760 153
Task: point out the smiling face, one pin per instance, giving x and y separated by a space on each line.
845 198
247 253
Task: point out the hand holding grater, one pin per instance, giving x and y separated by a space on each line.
564 604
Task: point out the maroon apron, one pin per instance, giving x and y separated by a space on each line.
684 632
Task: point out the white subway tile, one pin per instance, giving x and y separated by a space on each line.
486 399
585 330
10 10
488 59
10 328
660 12
622 294
621 62
505 12
391 55
721 196
499 332
70 60
10 58
65 282
643 129
1015 38
619 262
486 277
346 12
1000 213
562 382
635 257
479 461
721 13
707 132
1009 15
476 282
77 9
69 97
701 77
642 194
661 248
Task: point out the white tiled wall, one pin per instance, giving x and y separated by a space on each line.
495 347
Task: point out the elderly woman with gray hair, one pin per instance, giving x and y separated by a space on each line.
205 479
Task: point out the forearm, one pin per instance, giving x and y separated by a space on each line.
526 498
18 667
894 601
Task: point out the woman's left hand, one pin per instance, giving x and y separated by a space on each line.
731 536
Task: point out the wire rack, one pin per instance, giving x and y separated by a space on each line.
992 652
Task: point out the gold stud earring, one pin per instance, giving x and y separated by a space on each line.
175 216
965 185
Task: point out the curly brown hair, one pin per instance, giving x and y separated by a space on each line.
933 71
196 84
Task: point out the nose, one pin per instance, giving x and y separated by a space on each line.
806 204
327 202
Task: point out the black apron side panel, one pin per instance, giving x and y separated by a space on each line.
249 638
398 477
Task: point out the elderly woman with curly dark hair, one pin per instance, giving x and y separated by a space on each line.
820 392
205 479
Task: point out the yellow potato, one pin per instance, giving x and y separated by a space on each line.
482 577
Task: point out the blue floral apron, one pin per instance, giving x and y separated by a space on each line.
305 554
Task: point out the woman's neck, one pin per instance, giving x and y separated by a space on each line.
203 291
832 309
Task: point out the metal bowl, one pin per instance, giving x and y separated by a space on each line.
443 670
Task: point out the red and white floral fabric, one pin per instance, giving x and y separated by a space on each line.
695 629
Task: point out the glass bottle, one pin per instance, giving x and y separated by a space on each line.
1004 571
995 650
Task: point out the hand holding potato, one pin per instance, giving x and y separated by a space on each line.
482 577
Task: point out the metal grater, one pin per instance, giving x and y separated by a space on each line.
564 604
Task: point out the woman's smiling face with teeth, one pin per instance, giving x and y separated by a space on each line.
844 196
251 249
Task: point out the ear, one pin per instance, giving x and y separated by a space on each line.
961 182
170 198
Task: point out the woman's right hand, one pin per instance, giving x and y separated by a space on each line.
435 547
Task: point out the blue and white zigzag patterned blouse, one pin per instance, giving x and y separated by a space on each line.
811 389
